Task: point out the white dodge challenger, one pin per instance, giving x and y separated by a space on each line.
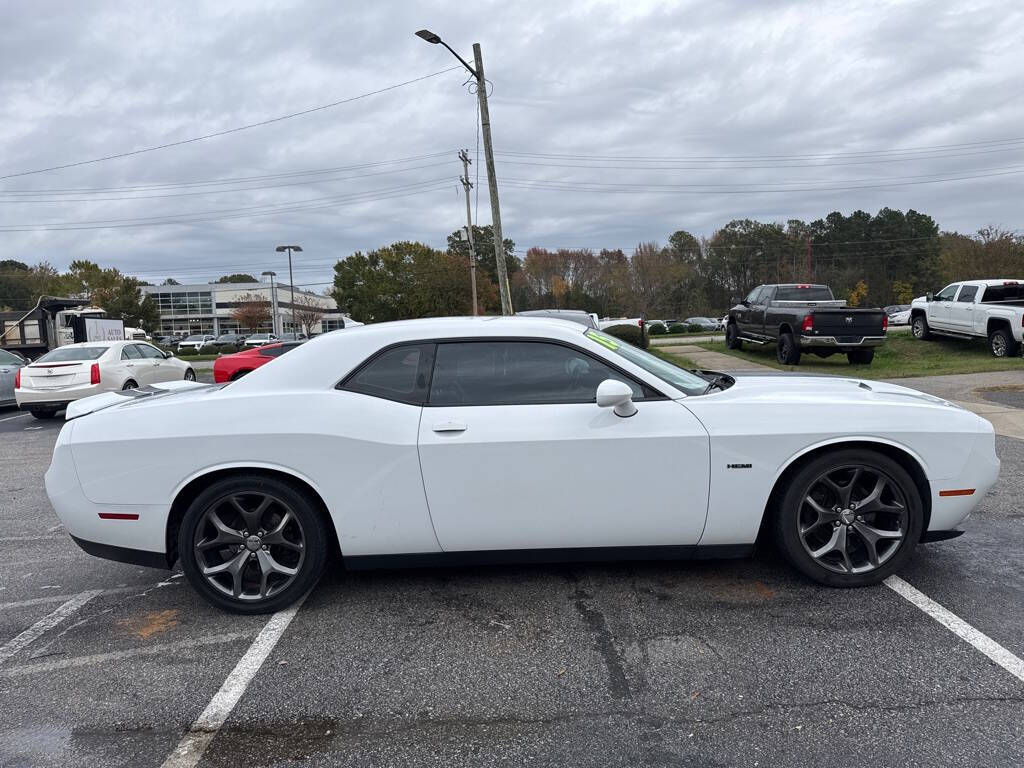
507 439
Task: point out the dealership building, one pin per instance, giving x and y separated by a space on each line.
209 307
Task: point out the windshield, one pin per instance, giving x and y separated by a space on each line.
68 354
680 378
803 293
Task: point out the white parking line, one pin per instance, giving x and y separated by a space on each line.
190 749
982 642
99 658
45 624
59 598
20 415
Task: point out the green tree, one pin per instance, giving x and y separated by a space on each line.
483 241
117 294
238 277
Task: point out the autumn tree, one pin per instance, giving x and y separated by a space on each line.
307 313
252 312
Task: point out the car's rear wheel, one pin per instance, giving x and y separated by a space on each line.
190 375
1002 343
44 413
860 356
252 544
788 351
732 337
919 328
849 518
130 384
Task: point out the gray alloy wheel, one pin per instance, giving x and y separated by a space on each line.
249 546
853 519
190 375
919 327
1002 343
849 517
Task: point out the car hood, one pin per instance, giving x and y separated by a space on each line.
786 388
179 390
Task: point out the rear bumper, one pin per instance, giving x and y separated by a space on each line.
123 554
841 342
30 399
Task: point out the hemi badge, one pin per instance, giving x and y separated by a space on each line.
959 492
738 466
118 516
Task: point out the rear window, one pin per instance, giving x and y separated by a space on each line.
71 354
803 293
1012 292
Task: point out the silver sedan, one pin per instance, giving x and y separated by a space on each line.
10 363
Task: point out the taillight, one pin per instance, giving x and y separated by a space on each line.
94 374
808 322
885 323
17 379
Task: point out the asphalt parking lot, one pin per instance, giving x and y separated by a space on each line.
719 663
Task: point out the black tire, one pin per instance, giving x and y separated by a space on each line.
130 384
787 351
823 353
190 375
47 413
311 558
919 327
788 519
1002 343
732 337
861 356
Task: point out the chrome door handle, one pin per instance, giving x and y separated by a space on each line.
450 426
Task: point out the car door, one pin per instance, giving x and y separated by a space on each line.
758 308
157 367
743 311
516 454
939 307
132 365
961 310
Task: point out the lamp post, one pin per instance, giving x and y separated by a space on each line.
492 182
291 280
273 301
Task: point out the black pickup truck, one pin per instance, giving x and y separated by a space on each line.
800 318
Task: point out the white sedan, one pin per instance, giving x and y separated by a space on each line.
508 439
76 371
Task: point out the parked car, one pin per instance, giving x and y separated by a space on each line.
706 323
229 340
798 317
259 339
10 364
358 442
196 341
974 309
232 367
608 322
899 314
293 337
588 319
75 371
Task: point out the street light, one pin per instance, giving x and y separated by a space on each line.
492 182
273 300
291 280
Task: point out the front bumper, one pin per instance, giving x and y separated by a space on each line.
951 505
841 342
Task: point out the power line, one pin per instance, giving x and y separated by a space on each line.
230 130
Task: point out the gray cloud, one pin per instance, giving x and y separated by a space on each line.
683 80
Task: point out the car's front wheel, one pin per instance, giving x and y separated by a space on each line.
732 337
252 544
919 328
849 518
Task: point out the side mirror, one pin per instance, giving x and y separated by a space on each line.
735 300
168 355
929 297
612 393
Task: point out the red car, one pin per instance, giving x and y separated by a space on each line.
231 367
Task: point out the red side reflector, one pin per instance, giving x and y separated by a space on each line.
17 379
118 516
94 374
958 492
808 324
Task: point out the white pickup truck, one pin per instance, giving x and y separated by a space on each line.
986 309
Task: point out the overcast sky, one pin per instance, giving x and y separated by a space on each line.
615 123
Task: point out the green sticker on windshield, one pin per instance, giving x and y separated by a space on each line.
603 340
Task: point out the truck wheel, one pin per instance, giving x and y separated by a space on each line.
919 327
1002 343
788 351
732 337
861 356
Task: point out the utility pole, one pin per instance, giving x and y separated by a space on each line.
291 279
492 183
467 185
810 277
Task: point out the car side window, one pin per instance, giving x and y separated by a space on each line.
131 352
517 373
149 352
401 373
947 293
967 293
